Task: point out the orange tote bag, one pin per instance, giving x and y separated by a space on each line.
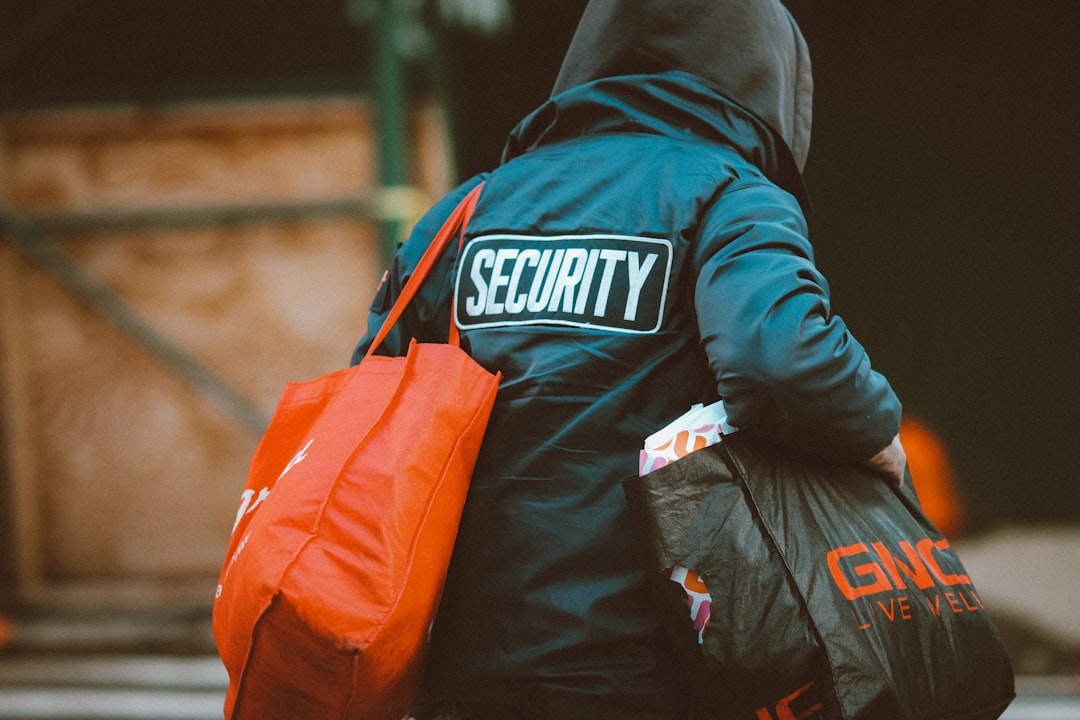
337 561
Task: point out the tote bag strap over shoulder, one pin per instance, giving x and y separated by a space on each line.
323 610
458 219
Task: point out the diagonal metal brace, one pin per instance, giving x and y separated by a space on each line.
36 246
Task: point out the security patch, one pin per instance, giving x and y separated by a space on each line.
605 282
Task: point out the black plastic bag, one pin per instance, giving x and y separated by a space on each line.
833 595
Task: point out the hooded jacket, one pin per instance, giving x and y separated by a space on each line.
642 247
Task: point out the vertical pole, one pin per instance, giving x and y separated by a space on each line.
23 519
389 97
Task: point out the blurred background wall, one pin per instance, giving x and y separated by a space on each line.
220 170
184 232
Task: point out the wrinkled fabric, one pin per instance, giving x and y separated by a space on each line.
665 180
814 614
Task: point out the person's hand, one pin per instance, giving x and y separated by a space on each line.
890 462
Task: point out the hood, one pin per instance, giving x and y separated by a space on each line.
751 49
672 104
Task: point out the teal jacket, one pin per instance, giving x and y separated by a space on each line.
642 248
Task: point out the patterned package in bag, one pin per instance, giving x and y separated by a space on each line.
699 427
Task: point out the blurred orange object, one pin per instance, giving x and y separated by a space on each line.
7 632
932 474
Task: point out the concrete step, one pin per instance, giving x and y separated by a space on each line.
1045 698
111 687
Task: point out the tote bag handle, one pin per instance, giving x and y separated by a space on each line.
458 219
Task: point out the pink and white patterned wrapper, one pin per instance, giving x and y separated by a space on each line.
699 427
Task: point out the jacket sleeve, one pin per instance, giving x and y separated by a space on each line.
783 362
427 318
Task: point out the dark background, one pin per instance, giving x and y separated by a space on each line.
943 172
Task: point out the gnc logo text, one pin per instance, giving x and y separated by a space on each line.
864 572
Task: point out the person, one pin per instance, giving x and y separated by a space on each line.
641 247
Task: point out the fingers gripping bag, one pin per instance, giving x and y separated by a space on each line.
810 591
